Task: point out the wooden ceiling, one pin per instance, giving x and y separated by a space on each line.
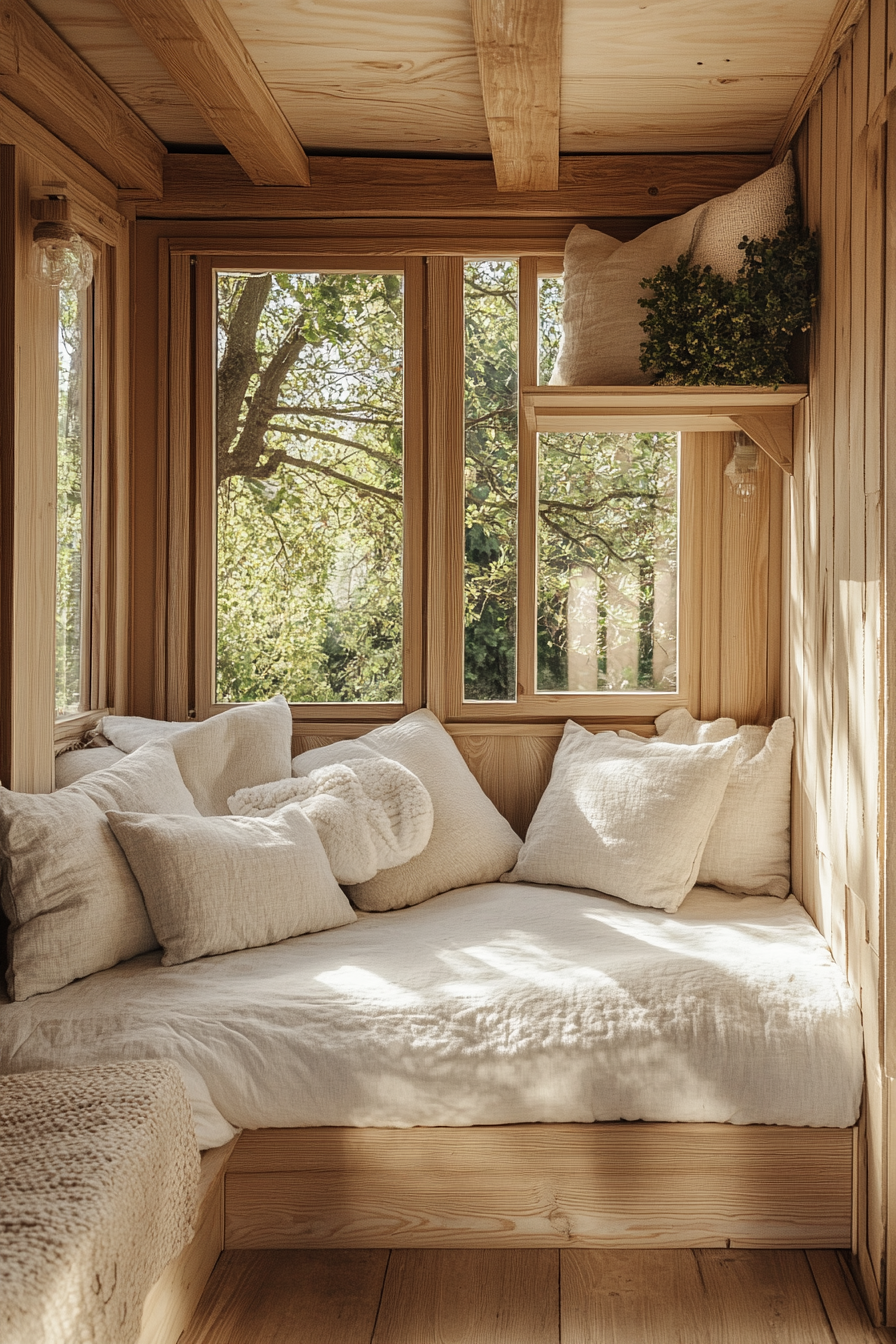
521 82
636 75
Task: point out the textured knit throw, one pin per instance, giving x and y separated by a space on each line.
370 814
99 1172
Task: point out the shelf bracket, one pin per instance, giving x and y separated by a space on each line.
772 431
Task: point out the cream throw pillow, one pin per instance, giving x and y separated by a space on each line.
470 841
73 903
245 746
748 850
626 817
74 765
602 333
219 884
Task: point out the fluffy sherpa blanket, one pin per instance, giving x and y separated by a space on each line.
371 815
99 1172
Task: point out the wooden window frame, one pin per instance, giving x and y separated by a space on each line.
186 639
33 163
445 655
716 549
104 564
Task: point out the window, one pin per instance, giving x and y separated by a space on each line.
72 480
491 400
607 562
310 436
385 529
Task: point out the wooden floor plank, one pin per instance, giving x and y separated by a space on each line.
629 1297
470 1297
846 1311
290 1297
509 1296
690 1297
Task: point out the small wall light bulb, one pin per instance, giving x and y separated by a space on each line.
741 470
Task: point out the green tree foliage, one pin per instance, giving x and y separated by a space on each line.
309 496
309 499
703 329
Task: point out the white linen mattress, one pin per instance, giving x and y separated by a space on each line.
488 1005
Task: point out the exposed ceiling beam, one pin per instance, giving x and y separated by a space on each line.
212 186
518 46
844 18
200 49
44 77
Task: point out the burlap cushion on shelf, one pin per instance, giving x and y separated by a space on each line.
73 903
626 817
220 884
247 745
602 333
470 841
748 850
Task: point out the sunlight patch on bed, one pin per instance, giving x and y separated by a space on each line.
524 960
357 981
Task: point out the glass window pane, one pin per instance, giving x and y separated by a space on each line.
310 513
490 478
69 498
550 323
608 562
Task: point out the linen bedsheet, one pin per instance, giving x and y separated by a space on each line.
488 1005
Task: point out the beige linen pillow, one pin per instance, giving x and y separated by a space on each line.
74 765
470 841
626 817
748 850
219 884
247 745
758 209
602 332
73 903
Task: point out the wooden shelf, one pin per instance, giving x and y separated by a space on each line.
765 414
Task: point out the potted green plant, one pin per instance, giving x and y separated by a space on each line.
703 329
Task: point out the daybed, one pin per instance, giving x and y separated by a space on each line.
518 1062
521 1014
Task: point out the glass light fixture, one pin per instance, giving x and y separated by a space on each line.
60 257
741 470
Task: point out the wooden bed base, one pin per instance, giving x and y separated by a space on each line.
511 1185
627 1184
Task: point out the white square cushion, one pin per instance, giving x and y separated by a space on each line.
470 841
73 903
220 884
748 850
602 332
625 816
245 746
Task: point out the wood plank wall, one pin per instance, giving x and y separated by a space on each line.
833 610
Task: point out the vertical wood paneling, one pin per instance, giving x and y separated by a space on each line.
745 600
716 449
837 541
33 634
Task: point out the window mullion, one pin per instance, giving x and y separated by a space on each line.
445 593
